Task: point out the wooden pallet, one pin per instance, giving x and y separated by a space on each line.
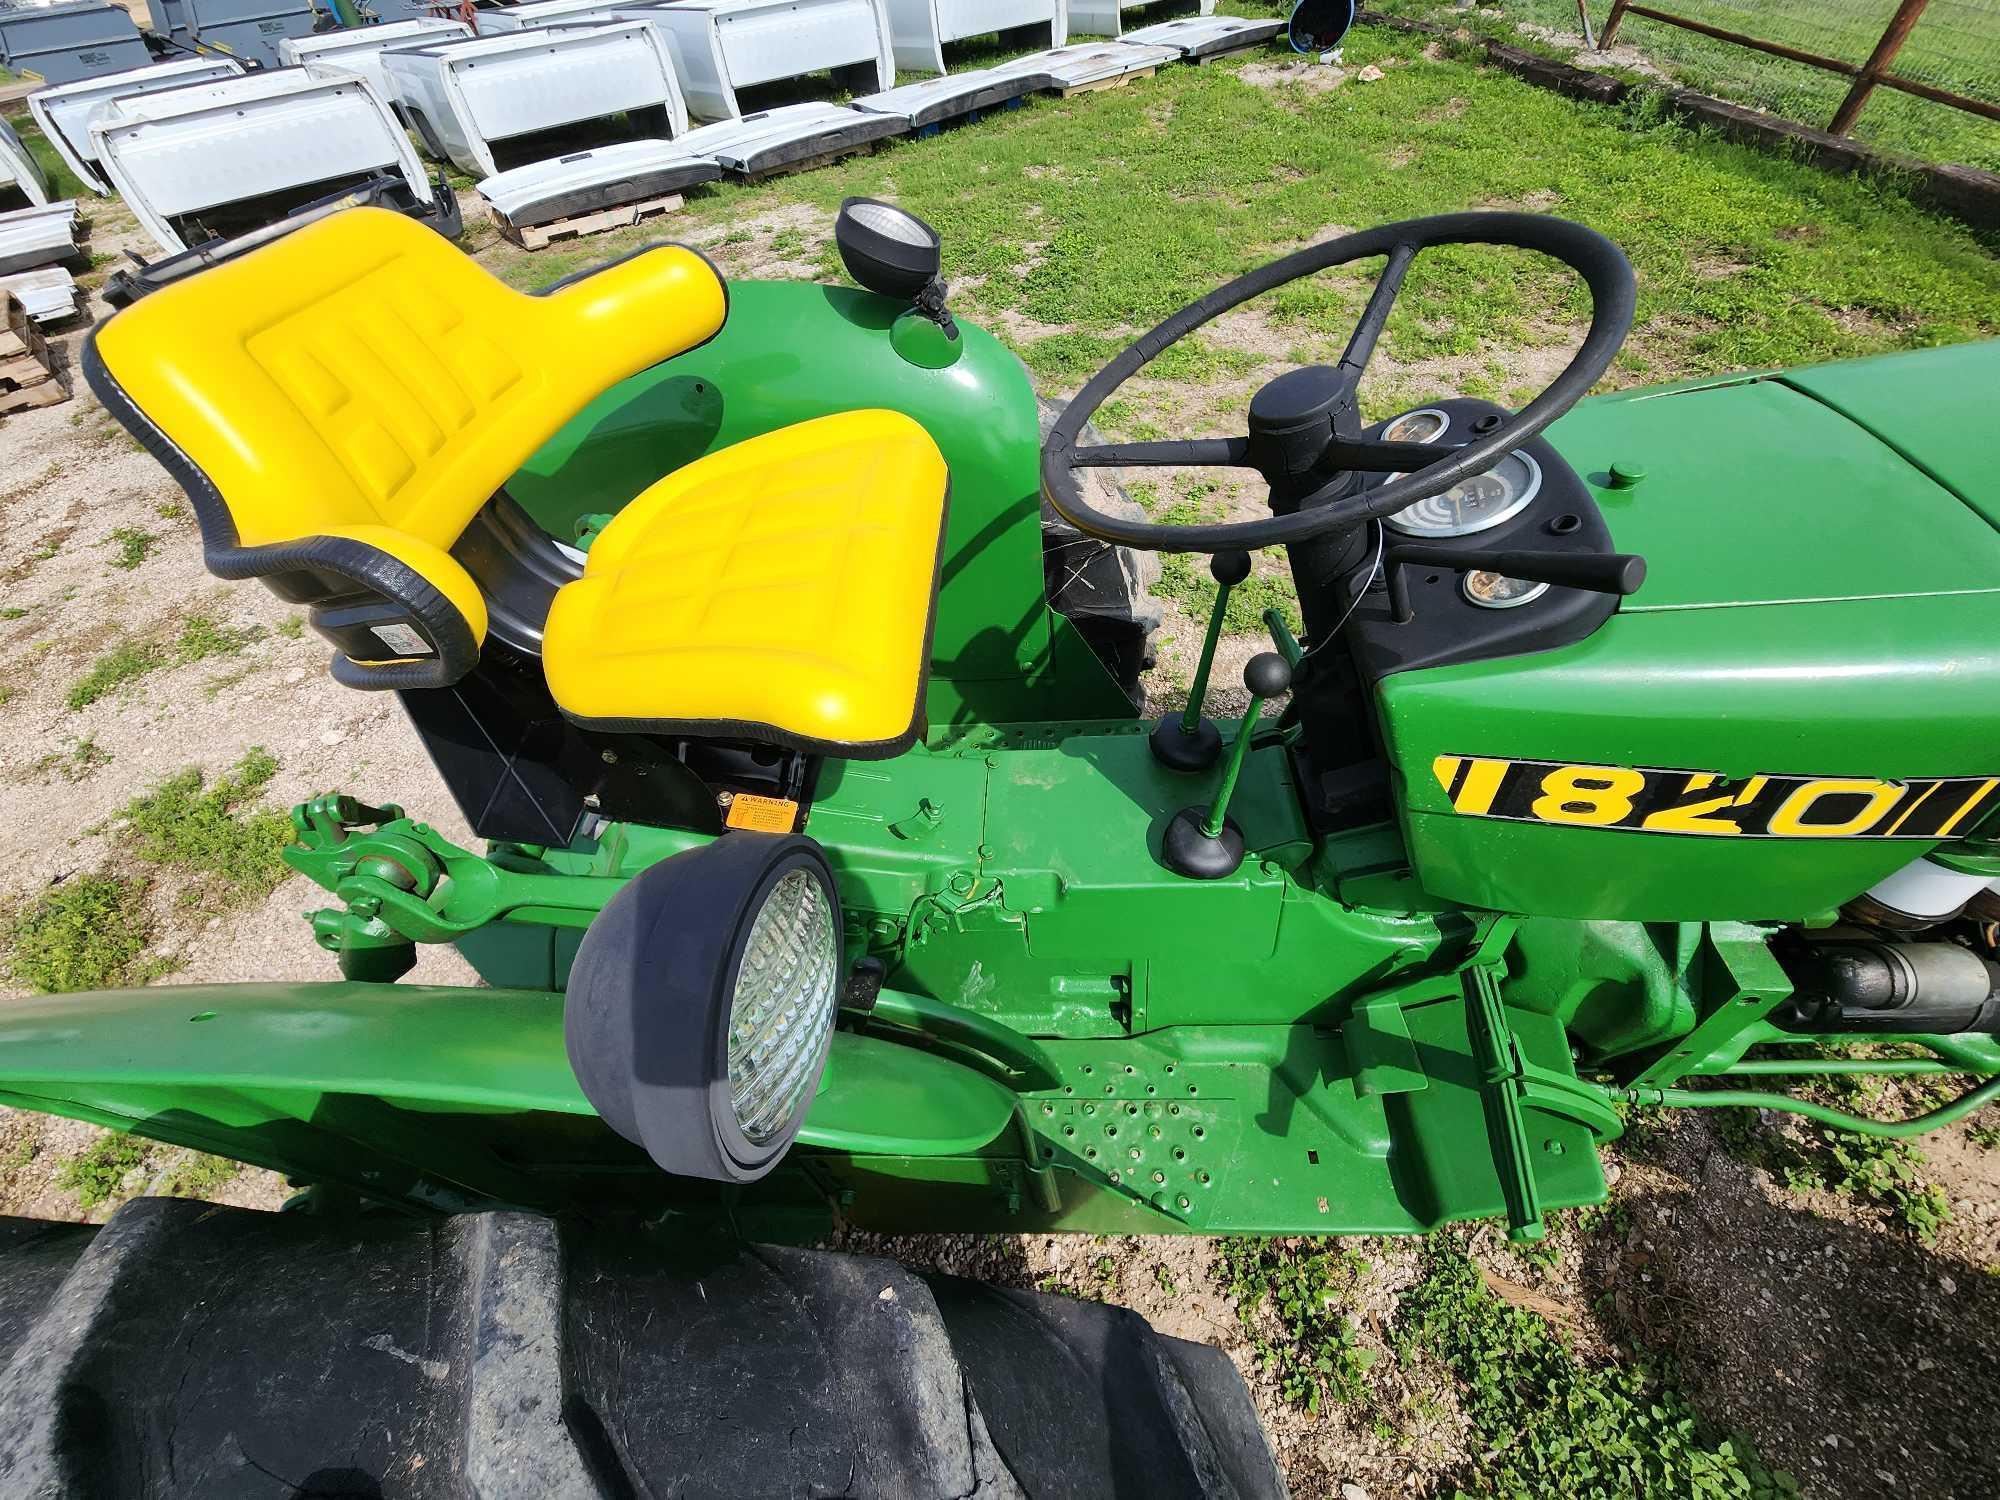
622 216
28 377
1118 82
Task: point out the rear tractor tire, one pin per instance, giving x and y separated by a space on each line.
190 1350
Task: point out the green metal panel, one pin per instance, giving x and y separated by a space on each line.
789 352
1936 407
1814 606
1758 493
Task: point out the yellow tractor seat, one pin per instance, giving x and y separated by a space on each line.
778 590
340 403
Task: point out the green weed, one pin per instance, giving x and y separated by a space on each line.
134 547
198 1176
208 831
99 1172
83 934
13 612
1316 1351
1547 1423
82 761
200 637
1164 1279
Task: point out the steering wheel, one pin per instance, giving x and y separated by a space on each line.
1305 426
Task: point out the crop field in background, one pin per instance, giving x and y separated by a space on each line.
1756 1300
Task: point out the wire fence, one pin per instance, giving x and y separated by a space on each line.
1840 64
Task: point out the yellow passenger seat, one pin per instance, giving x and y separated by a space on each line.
341 402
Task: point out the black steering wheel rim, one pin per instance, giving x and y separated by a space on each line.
1596 260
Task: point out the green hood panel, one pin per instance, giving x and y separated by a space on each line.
1758 493
1939 408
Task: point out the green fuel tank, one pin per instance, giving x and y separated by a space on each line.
1803 697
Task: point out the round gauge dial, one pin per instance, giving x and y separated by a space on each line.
1416 426
1497 591
1476 504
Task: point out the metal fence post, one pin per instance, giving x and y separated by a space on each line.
1878 62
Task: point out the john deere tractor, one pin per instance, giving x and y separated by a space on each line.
784 668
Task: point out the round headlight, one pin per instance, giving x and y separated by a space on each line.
887 249
782 1006
702 1000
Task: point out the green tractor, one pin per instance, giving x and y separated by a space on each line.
786 668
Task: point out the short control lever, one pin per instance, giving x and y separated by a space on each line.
1599 572
1201 843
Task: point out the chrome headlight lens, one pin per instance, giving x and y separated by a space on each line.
782 1006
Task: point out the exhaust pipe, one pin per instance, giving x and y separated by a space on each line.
1863 984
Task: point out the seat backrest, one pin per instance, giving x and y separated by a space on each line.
362 371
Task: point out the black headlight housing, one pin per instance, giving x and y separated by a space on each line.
702 1000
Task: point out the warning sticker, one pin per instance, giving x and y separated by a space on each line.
762 814
402 640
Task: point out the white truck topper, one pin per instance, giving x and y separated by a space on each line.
768 141
64 112
721 46
1196 37
462 96
919 29
19 170
360 50
1106 17
274 134
37 236
69 39
538 13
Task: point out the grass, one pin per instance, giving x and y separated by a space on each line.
133 547
1546 1422
1289 1295
1956 46
200 637
1887 1174
99 1172
84 934
212 833
1744 260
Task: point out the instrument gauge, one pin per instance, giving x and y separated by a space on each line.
1416 426
1497 591
1476 504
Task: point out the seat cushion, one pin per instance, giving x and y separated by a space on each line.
777 590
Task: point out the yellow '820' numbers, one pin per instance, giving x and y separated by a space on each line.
1706 803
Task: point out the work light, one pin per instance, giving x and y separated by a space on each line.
701 1003
887 249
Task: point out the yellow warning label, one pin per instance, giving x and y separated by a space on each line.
762 814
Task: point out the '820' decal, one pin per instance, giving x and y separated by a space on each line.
1705 802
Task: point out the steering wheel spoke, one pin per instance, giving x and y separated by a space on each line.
1377 456
1208 453
1375 316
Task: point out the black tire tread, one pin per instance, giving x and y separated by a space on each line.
191 1349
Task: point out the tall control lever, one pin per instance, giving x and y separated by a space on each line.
1187 741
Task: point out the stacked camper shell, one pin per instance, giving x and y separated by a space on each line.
248 30
723 46
20 174
919 29
464 97
70 40
1106 17
64 113
211 159
359 51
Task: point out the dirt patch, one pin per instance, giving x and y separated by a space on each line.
1307 77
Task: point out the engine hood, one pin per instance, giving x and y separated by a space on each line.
1849 481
